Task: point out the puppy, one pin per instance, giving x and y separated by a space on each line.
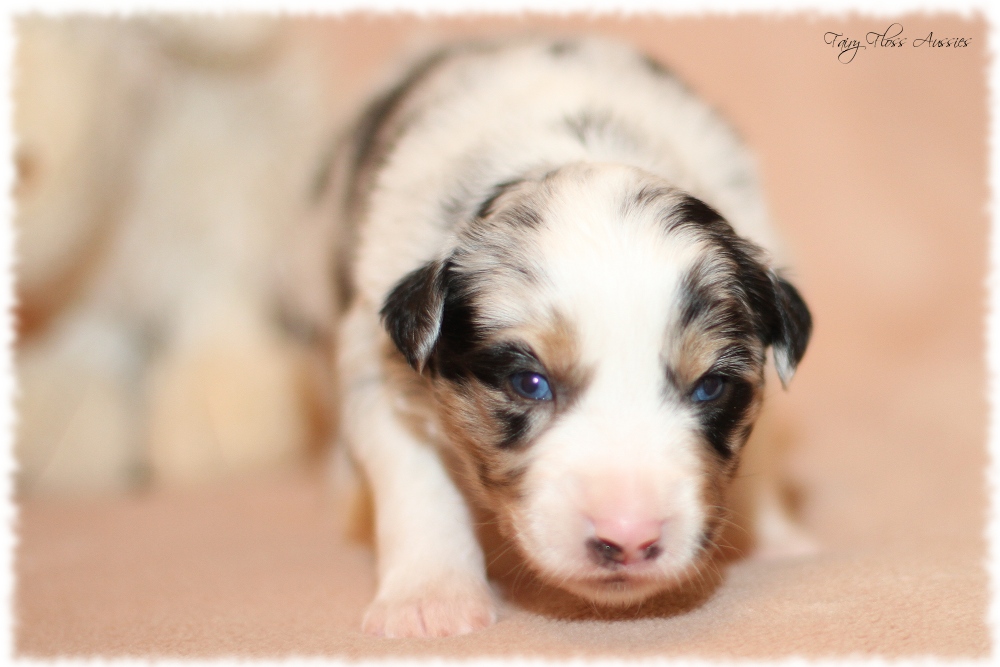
558 309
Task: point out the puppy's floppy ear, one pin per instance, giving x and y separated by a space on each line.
412 312
791 327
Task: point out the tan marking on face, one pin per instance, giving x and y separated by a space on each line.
466 411
692 355
556 345
692 351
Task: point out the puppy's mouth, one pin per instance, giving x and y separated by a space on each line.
614 585
624 583
617 588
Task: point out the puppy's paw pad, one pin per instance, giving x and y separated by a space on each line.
434 614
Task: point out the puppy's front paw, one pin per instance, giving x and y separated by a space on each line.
441 609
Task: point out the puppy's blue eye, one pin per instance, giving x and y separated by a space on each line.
531 385
709 389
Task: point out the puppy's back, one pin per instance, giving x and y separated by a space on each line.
428 154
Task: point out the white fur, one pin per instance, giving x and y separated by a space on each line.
619 449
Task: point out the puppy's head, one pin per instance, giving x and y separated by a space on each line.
596 343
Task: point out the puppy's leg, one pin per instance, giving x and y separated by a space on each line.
432 579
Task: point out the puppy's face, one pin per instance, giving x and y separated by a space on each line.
596 343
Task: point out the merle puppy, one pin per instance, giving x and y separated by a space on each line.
560 308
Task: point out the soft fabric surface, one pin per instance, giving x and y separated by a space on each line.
258 570
875 171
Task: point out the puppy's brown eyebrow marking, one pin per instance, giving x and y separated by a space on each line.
734 359
713 331
479 375
559 349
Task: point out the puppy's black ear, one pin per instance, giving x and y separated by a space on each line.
412 312
790 329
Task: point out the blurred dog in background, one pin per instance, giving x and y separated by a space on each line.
163 171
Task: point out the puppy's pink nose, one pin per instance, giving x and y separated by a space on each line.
625 540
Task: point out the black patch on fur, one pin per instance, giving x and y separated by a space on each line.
431 317
720 310
515 425
412 311
491 364
717 308
460 334
691 210
461 353
381 125
371 146
462 356
721 418
777 314
795 320
383 107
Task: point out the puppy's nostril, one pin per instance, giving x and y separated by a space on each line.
605 551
